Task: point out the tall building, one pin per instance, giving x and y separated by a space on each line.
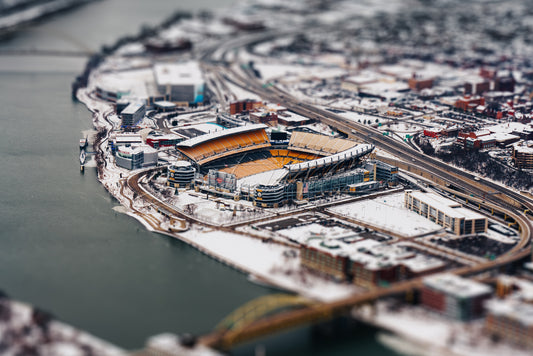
132 114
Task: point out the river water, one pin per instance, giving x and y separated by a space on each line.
65 249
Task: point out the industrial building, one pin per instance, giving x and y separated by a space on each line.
446 212
455 297
180 82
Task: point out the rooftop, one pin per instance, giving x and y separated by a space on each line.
132 108
456 286
513 309
447 206
186 73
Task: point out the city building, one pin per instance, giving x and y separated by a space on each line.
476 140
292 120
180 174
264 117
237 107
523 155
445 212
455 297
180 82
329 257
132 114
417 83
129 157
469 103
477 87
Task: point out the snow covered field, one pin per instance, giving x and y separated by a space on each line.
387 213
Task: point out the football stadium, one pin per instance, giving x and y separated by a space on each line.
241 163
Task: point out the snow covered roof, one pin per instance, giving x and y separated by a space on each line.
164 104
129 150
524 148
218 134
447 206
164 137
456 286
187 73
356 151
513 309
126 138
132 108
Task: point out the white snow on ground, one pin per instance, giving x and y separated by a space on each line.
491 234
436 334
267 262
240 93
388 214
272 71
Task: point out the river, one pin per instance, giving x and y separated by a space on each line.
63 246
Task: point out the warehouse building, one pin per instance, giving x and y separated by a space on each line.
445 212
